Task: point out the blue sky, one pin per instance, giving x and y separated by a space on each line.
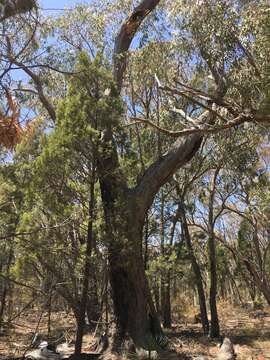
59 3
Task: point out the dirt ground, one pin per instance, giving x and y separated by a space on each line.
251 337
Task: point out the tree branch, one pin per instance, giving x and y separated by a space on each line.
38 84
126 35
202 130
161 170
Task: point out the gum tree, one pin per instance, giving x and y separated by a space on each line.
211 106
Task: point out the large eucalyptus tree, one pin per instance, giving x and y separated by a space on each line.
125 206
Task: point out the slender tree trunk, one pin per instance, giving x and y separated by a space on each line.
93 309
93 306
49 311
163 299
196 270
6 286
261 283
167 317
89 247
156 292
214 330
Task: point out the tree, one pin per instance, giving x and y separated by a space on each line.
216 104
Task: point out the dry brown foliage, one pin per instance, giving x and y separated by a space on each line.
10 128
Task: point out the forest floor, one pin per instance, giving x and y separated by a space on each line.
251 337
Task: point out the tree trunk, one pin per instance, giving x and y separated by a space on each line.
214 330
156 291
163 275
134 311
260 283
167 318
196 270
93 307
6 286
88 253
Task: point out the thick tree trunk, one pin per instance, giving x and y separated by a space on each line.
135 314
125 211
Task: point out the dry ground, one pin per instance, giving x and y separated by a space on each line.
250 336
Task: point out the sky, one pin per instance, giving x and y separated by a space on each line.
52 4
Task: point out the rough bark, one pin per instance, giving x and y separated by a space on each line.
125 211
134 314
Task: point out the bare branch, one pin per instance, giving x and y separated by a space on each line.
202 97
185 116
37 81
27 233
242 118
49 67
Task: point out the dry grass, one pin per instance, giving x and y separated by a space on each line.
250 336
